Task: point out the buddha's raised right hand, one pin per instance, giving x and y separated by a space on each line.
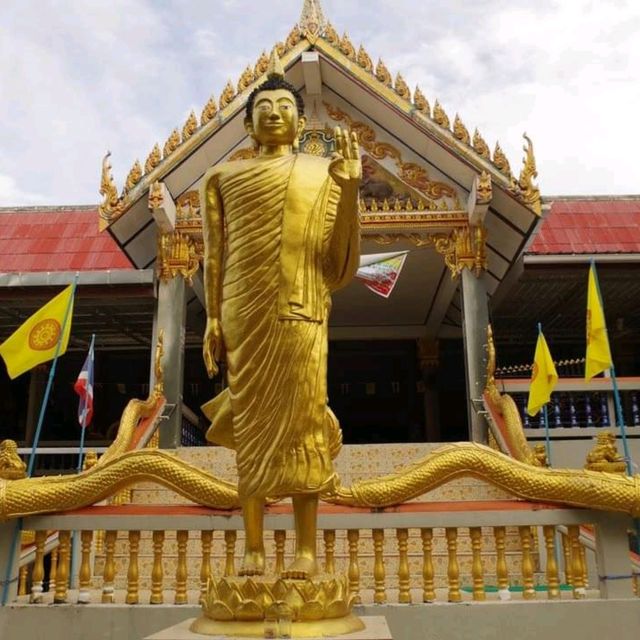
212 346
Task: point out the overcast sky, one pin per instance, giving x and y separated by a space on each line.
78 77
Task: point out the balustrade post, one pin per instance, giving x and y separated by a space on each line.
566 556
109 574
182 538
84 575
62 574
380 595
353 573
329 550
206 538
576 562
502 571
404 579
280 538
428 590
133 572
528 592
553 583
157 572
453 569
612 556
23 575
477 571
53 569
37 575
230 537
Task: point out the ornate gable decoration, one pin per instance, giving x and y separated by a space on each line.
313 29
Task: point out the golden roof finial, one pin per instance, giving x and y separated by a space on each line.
295 35
172 143
347 47
189 127
440 116
422 104
460 131
500 160
364 60
246 79
530 191
331 35
312 21
110 206
153 159
228 94
275 69
209 111
262 64
401 87
382 73
480 145
133 177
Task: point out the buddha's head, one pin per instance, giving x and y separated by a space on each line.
275 113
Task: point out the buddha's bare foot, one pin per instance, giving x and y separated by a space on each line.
301 569
253 564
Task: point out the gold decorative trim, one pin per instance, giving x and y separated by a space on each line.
460 131
246 79
420 102
383 75
133 177
295 35
156 195
440 117
153 159
346 47
364 60
500 161
209 111
402 88
190 126
261 65
331 36
413 174
227 96
172 143
158 369
11 465
111 206
177 255
480 146
530 193
484 190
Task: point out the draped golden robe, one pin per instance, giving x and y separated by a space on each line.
287 246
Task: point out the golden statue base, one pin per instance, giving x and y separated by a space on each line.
312 629
315 607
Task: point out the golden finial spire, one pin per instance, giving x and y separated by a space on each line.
312 21
275 69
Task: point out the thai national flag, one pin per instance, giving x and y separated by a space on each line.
84 388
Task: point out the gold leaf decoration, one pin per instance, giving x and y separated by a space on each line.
530 192
480 145
228 94
440 116
246 79
382 73
460 131
293 38
347 48
153 159
111 206
133 177
422 104
500 160
331 35
364 60
401 88
209 111
190 126
172 143
262 65
281 48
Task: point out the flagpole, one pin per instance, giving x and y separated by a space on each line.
36 439
84 415
52 371
545 413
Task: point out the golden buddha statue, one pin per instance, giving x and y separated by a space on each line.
281 232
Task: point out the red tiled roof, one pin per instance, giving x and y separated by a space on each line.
590 226
56 239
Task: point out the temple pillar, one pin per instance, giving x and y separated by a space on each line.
475 319
170 318
428 359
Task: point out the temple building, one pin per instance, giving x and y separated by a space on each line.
480 245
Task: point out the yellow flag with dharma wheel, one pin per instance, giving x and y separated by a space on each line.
543 377
36 340
598 356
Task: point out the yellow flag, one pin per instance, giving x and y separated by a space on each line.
35 340
543 377
598 353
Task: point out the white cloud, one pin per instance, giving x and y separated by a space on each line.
79 78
